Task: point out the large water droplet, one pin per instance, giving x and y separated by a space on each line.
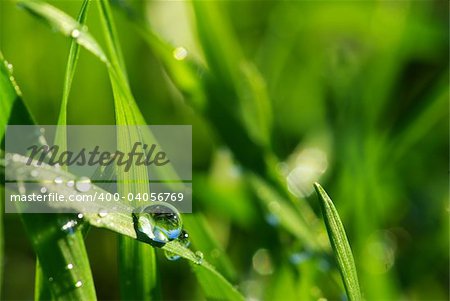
184 240
83 184
157 223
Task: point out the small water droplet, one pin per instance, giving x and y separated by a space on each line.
199 257
78 283
157 223
80 215
43 189
58 180
75 33
69 226
50 279
10 67
34 173
15 158
184 241
180 53
70 183
102 213
70 266
83 184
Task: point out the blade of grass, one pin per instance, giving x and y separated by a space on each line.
53 248
213 283
42 290
340 244
137 263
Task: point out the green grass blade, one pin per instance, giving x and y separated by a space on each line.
214 284
137 263
55 250
340 244
71 65
226 60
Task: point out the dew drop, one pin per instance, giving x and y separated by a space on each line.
70 266
78 283
34 173
80 215
69 226
50 279
70 183
180 53
43 189
157 223
184 241
199 257
102 213
75 34
83 184
58 180
10 67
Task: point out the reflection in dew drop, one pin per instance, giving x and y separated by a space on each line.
83 184
58 180
159 223
75 33
262 262
78 283
180 53
43 189
184 241
199 257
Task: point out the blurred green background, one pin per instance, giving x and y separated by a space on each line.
359 97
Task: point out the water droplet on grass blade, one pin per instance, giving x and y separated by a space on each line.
78 283
69 226
83 184
43 190
157 223
184 241
180 53
70 183
75 33
58 180
199 257
102 213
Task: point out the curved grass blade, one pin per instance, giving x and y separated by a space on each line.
214 284
137 263
340 244
55 250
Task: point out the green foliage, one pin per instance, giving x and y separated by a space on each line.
340 244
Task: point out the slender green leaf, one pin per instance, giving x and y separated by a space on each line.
70 284
340 244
